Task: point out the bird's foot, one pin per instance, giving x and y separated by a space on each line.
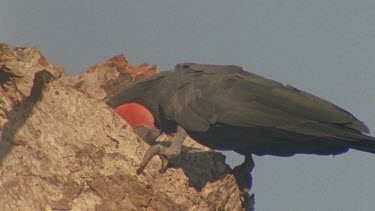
147 133
242 173
244 180
248 201
164 164
164 152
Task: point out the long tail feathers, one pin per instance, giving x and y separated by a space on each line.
367 144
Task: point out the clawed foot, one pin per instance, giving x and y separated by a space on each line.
164 164
164 152
244 180
242 173
248 201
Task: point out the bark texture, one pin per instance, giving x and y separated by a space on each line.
62 148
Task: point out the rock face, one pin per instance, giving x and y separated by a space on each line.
62 148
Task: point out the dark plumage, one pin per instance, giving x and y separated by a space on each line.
226 108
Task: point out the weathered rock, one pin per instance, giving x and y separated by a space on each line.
62 148
102 80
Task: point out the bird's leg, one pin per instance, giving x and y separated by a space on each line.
243 173
244 180
147 133
164 152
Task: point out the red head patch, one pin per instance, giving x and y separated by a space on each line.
135 115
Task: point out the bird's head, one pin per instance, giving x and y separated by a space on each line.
140 119
136 115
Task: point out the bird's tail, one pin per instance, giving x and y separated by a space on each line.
366 144
351 138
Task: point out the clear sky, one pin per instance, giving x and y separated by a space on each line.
326 47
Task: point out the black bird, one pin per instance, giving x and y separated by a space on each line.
226 108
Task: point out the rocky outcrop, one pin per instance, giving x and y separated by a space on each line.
62 148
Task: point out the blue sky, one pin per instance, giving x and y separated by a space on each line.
326 47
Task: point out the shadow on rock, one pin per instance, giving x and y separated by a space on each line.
199 166
21 112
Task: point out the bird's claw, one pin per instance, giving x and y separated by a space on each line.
243 178
140 170
242 173
248 201
164 164
150 153
164 152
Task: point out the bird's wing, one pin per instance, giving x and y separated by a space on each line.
198 96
